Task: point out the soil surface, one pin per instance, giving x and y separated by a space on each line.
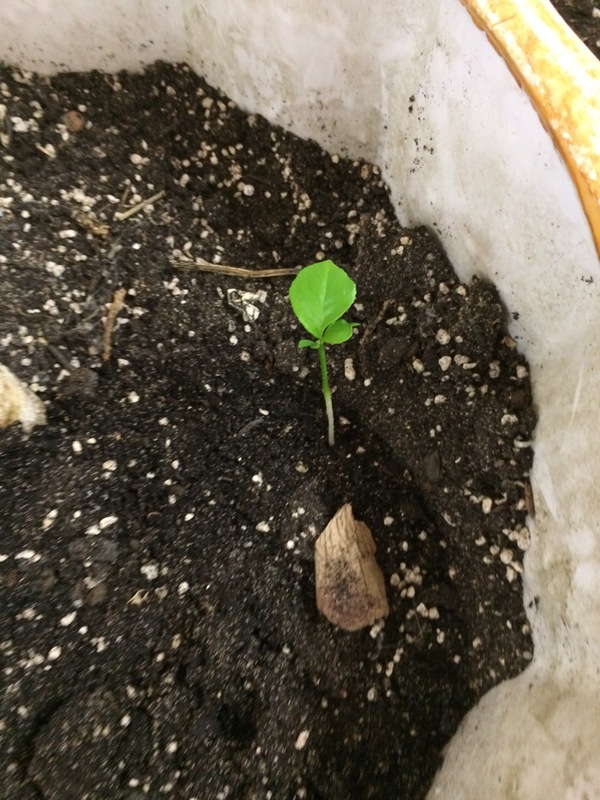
158 628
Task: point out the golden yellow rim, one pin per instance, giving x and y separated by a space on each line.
562 78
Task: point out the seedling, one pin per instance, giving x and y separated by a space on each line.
320 294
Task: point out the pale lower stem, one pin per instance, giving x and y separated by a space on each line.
329 410
327 396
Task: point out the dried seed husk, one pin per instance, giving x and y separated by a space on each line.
349 583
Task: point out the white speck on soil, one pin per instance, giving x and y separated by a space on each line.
28 555
494 369
49 519
349 371
301 740
150 571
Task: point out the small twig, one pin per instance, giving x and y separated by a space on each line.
370 328
109 324
47 150
60 357
124 198
122 215
84 326
529 502
223 269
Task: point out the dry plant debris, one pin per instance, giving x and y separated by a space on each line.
111 318
350 586
18 403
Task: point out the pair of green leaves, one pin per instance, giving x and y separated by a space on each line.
319 295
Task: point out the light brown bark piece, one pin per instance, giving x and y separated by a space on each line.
350 585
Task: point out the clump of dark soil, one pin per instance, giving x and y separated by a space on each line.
159 632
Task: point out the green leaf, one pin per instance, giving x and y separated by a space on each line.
320 294
338 332
308 343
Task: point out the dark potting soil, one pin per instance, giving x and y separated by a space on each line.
158 626
583 16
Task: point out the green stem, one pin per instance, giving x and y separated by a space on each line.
326 394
